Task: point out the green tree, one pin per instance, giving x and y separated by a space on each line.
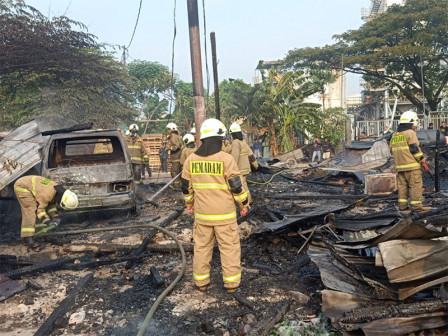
54 67
331 125
404 48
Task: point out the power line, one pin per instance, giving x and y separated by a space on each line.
136 23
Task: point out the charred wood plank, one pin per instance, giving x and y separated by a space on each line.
124 248
78 127
156 278
299 263
46 266
273 317
9 287
269 268
46 328
171 217
368 314
244 301
138 251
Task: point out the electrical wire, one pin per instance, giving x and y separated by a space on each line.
206 56
136 24
268 181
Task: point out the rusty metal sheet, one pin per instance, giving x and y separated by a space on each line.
410 260
380 184
9 287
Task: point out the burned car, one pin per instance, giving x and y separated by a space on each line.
95 165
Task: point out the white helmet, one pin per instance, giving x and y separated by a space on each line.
128 132
409 117
69 200
172 126
193 130
211 128
133 128
235 128
188 138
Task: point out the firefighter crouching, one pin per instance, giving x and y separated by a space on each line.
137 151
174 146
408 156
211 183
189 148
243 155
39 196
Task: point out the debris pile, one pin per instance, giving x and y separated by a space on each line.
384 274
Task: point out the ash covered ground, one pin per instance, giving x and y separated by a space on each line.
117 300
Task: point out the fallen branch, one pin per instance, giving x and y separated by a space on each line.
245 302
308 239
139 250
45 266
46 328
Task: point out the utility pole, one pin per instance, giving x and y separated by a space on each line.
196 65
215 75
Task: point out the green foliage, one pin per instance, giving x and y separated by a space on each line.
53 67
331 125
406 41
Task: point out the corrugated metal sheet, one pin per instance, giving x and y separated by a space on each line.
20 151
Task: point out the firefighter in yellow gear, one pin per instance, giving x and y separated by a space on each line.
103 146
190 147
40 196
174 147
243 155
137 151
408 156
211 184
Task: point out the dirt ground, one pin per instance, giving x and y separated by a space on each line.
117 300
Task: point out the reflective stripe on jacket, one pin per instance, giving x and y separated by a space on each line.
399 145
136 149
209 190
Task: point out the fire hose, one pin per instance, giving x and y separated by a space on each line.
141 226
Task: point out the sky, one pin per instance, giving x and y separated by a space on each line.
246 30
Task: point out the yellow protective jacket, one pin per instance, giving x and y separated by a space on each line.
174 145
212 184
243 156
186 151
43 191
137 150
406 150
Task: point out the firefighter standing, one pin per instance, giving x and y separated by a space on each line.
189 148
211 183
174 147
408 156
137 151
243 155
39 196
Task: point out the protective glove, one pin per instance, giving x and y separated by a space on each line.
56 220
52 226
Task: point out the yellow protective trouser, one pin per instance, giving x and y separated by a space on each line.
28 206
246 187
229 248
175 169
410 185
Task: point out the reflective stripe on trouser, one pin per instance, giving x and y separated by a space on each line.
246 187
230 250
28 207
410 186
137 172
175 169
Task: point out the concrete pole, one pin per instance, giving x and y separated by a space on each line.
215 75
196 65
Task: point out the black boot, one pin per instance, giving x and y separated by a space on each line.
30 242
